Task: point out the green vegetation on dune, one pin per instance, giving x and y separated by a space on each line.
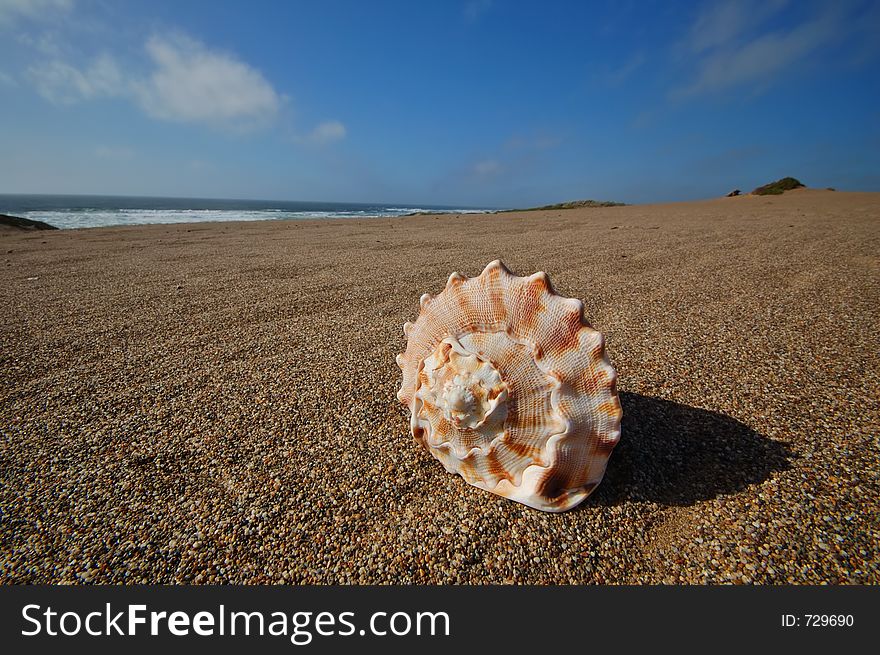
777 187
573 204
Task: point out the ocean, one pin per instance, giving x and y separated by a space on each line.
67 212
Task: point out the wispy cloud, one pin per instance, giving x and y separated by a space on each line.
720 23
730 160
191 83
62 83
619 75
733 52
477 180
475 9
533 142
13 10
511 159
114 153
327 132
6 79
45 43
487 168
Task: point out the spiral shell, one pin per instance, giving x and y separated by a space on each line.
509 387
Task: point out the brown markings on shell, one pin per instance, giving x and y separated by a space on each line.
521 305
552 484
503 362
455 280
496 293
467 437
566 335
532 302
460 298
597 354
523 449
555 487
512 411
540 283
444 350
419 433
422 378
605 446
609 408
496 467
612 387
595 377
467 471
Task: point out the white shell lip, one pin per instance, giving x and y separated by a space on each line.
552 450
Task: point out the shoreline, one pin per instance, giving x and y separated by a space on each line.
550 209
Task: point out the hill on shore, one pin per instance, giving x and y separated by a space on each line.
572 204
778 187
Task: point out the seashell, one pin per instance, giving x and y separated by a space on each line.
508 386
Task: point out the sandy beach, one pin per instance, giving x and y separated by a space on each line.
216 402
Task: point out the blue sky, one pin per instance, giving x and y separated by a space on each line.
478 102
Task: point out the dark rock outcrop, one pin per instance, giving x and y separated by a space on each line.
19 223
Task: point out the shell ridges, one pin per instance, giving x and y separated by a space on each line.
454 279
508 386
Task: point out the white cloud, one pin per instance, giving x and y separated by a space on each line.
62 83
327 132
6 79
12 10
191 83
186 82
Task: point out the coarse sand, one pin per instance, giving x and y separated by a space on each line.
216 402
